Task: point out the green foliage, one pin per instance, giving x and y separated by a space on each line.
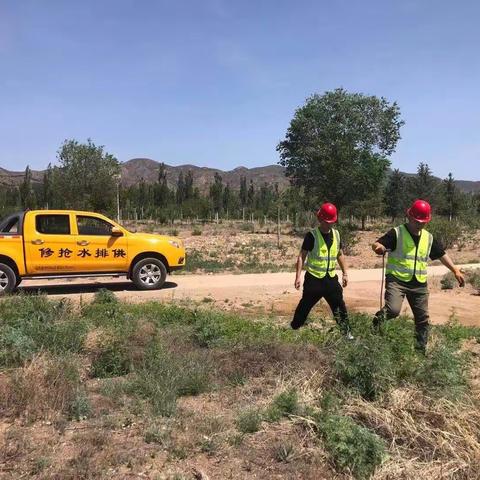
86 177
338 143
196 232
163 377
448 281
104 297
348 237
473 278
352 447
366 365
80 407
34 323
113 360
443 373
446 232
197 261
283 405
249 421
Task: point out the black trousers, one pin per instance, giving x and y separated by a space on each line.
314 289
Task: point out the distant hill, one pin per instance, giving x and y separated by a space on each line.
136 169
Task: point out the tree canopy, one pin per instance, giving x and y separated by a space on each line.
337 145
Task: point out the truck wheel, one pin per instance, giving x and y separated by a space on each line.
149 274
8 279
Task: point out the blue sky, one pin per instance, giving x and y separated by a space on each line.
215 82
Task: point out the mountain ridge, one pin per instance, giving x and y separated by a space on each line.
136 169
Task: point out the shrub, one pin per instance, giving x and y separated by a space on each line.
348 237
163 377
351 446
473 278
31 324
446 232
104 297
196 232
113 360
46 387
249 421
443 373
448 281
366 365
283 405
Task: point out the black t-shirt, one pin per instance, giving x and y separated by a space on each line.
389 241
309 241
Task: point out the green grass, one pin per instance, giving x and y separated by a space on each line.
146 356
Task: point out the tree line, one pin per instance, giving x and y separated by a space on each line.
336 149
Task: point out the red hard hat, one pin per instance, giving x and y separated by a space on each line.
420 211
328 213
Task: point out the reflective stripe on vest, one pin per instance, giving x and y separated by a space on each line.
403 263
320 260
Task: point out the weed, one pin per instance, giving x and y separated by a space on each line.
283 452
448 281
352 447
163 377
157 434
443 373
79 407
113 360
366 365
39 465
104 297
196 232
473 278
283 405
31 324
249 421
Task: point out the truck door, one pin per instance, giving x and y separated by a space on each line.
97 250
50 246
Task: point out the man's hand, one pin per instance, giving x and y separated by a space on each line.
344 280
460 277
378 248
297 283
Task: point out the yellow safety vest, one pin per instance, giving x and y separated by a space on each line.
408 260
321 260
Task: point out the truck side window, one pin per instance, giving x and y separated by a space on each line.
53 224
11 226
93 226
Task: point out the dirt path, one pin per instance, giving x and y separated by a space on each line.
271 292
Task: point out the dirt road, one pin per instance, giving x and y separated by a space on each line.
271 292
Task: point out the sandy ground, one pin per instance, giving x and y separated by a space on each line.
267 292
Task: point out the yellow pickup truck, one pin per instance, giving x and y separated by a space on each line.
40 244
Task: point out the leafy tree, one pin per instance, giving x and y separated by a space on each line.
243 191
162 192
189 185
423 185
180 188
87 176
48 188
216 192
451 197
27 195
338 144
394 196
251 195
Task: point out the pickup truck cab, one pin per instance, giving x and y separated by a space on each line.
39 244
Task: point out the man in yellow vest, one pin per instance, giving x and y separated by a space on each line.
322 250
410 246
